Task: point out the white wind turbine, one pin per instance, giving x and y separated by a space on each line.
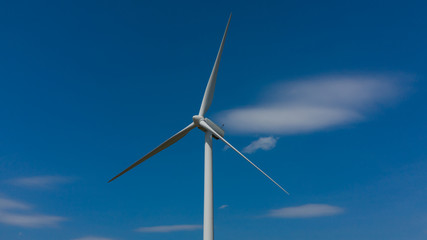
211 130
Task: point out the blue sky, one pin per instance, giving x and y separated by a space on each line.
328 98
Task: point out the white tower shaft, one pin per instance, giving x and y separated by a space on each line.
208 233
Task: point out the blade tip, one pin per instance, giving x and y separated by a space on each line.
112 179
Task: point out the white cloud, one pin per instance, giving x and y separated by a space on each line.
314 104
12 204
223 206
169 228
264 143
306 211
39 181
93 238
9 216
25 220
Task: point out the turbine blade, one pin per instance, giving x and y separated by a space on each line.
162 146
210 88
206 126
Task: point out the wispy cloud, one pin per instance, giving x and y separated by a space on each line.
169 228
33 221
314 104
223 206
40 182
264 143
6 204
9 216
306 211
93 238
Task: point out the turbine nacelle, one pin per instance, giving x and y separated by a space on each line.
197 119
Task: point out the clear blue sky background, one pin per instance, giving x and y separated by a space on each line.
88 87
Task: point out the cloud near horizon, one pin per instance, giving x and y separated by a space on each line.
264 143
40 182
9 216
314 104
169 228
93 238
306 211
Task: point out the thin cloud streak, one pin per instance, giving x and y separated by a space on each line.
32 221
93 238
169 228
223 206
314 104
40 182
264 143
12 204
24 219
306 211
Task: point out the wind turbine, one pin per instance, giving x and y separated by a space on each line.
211 130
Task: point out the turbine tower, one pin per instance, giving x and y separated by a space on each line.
211 130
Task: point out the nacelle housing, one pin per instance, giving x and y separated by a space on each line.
215 127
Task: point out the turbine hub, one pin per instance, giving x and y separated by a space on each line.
197 119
